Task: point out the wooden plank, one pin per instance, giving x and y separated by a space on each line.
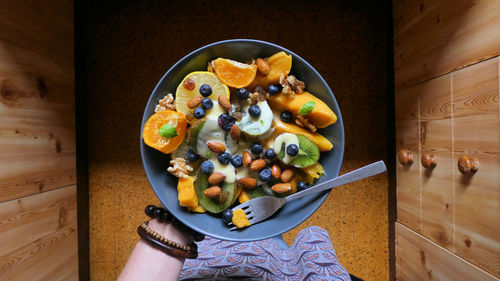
44 26
408 177
418 258
432 38
40 236
477 134
37 132
435 139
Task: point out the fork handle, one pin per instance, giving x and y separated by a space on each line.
361 173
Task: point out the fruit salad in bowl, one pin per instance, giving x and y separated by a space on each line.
235 130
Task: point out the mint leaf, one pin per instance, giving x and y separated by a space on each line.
167 131
307 108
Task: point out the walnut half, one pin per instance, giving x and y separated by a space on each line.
167 102
291 86
180 168
302 121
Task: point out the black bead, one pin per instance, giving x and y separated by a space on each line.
159 211
150 210
166 217
198 237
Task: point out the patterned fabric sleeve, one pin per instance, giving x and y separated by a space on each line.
311 257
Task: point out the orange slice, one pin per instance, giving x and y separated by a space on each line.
151 134
234 74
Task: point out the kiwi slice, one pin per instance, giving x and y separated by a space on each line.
212 205
194 130
308 153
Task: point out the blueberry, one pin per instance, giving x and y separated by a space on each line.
269 154
256 148
237 161
207 103
159 211
191 155
205 90
242 93
286 116
265 175
227 216
302 186
224 158
199 113
292 149
226 121
273 89
150 210
254 111
207 167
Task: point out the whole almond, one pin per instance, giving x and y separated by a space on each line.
224 102
287 175
217 147
281 187
212 192
216 178
194 102
248 182
247 158
276 171
257 165
235 132
263 67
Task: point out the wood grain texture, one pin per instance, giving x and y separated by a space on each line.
435 37
408 176
37 141
419 259
477 134
41 233
435 139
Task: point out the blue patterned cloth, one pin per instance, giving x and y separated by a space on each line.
311 257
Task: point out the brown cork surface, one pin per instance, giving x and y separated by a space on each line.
130 46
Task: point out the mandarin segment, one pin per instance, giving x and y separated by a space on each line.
279 64
234 74
152 137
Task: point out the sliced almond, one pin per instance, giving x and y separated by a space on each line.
247 158
194 102
263 67
217 147
276 171
248 182
216 178
224 102
281 187
235 132
212 192
286 175
257 165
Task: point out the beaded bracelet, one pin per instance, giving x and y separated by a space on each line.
168 246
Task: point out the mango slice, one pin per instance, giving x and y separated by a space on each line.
240 219
243 197
321 115
186 193
280 64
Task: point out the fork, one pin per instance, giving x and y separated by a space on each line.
261 208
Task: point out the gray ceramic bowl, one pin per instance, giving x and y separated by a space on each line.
293 213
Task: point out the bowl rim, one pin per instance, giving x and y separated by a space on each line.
339 123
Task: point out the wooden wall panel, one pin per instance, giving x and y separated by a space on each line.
435 37
39 234
37 132
408 176
419 259
477 134
38 217
435 139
